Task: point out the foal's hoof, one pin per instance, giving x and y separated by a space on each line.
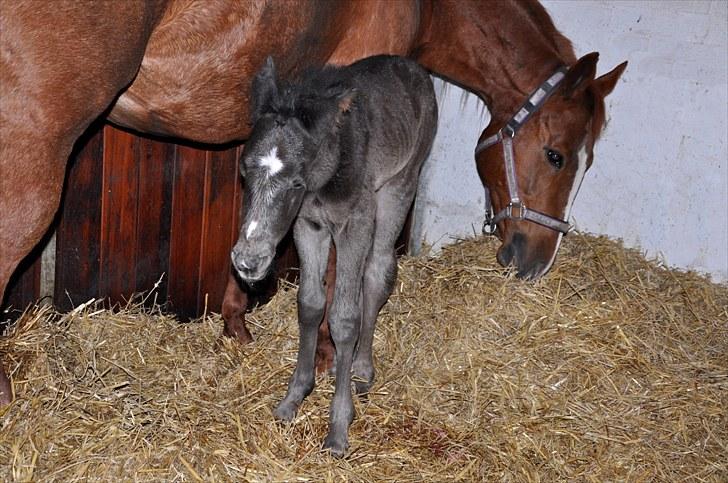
363 377
285 412
362 387
336 445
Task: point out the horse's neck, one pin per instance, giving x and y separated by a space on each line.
503 50
536 50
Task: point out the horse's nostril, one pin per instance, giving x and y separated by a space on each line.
505 255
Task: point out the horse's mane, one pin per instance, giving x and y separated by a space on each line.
541 20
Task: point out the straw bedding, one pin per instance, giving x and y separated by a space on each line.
612 368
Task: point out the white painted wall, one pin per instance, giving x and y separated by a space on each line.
660 176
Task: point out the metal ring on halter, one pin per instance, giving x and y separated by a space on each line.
488 228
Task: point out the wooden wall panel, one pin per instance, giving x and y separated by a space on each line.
218 226
78 239
23 287
119 215
188 195
154 212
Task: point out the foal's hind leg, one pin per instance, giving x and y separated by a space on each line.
380 273
313 251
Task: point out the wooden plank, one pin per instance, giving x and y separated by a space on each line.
218 235
154 210
23 287
79 225
119 215
188 194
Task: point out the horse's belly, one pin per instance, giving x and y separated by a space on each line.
194 81
377 27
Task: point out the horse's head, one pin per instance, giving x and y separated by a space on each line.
550 145
284 158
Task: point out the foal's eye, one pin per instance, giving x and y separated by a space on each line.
554 157
298 184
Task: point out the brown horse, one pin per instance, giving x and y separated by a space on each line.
183 68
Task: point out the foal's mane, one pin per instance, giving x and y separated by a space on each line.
311 84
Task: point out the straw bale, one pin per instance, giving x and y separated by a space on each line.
611 368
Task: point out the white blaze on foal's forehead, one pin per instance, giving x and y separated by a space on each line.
271 161
251 228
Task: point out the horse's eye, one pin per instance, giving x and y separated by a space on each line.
298 184
555 158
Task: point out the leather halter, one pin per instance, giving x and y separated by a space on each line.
516 209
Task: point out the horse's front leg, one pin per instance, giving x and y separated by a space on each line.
312 243
352 247
325 351
234 304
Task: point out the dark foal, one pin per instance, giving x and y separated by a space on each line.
339 152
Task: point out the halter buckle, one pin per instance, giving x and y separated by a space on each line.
516 206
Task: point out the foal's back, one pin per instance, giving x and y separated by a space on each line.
399 103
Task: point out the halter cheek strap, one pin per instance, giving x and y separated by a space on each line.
516 209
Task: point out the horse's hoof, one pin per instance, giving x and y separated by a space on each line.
285 412
337 446
325 361
238 331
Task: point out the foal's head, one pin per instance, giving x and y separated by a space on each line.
552 151
285 157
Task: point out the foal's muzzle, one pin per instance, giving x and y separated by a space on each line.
252 267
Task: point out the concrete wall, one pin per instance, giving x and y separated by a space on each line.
660 177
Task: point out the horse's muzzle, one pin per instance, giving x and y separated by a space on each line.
516 252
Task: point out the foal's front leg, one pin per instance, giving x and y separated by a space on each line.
344 323
312 244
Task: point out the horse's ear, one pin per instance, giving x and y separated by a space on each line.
605 84
580 75
265 87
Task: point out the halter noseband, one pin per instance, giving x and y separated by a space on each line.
516 209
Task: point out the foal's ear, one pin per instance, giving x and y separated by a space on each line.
345 98
265 87
580 75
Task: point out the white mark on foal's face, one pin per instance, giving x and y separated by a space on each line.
272 161
251 228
